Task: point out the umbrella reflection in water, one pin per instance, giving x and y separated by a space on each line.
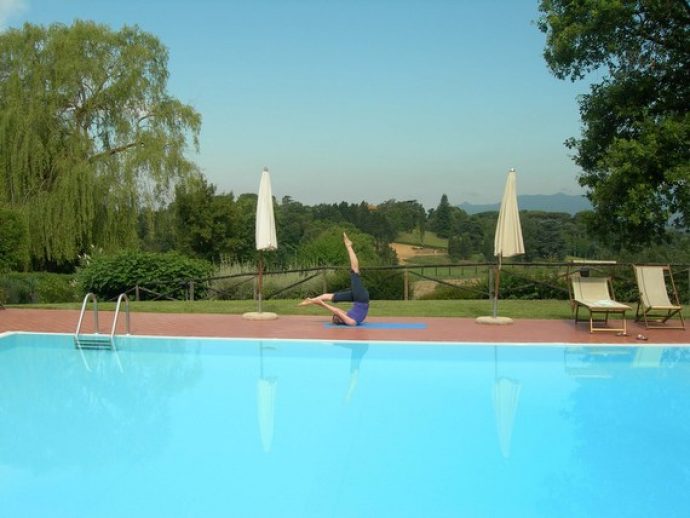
266 400
506 393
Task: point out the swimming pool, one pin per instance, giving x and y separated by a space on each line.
187 427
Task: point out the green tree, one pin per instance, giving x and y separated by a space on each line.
455 248
482 230
377 224
14 245
206 223
544 234
157 229
440 220
245 250
326 248
292 221
473 236
88 134
404 216
635 145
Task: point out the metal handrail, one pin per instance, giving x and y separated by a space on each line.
117 313
83 310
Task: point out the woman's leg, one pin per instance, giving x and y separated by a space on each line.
354 262
316 300
359 292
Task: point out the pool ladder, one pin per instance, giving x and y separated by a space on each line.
96 340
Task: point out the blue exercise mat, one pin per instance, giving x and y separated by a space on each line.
384 325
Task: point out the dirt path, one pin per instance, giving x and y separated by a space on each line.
405 252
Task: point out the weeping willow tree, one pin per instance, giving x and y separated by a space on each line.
88 134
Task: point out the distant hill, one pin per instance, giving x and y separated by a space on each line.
547 202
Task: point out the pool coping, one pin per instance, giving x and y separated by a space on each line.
437 330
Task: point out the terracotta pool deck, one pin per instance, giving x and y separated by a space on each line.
437 329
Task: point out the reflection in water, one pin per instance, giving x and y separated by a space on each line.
596 362
266 400
605 362
175 434
629 413
94 416
648 357
357 352
506 394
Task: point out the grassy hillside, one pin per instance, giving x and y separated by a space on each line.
431 240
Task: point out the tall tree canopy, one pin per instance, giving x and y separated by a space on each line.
635 145
206 223
88 133
440 219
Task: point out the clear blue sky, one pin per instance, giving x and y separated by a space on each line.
351 100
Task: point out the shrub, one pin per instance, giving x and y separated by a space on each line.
39 288
539 285
53 288
166 274
542 285
384 284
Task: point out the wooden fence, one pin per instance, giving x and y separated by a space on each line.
460 280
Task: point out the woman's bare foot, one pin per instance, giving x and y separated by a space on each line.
306 302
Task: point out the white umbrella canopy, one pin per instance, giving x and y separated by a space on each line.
265 219
508 239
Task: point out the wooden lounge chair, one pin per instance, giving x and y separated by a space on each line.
595 295
654 306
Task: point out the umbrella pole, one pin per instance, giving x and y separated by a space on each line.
261 283
497 283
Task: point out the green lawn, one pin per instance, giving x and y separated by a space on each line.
538 309
379 308
414 238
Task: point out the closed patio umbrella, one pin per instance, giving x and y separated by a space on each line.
508 238
265 235
265 219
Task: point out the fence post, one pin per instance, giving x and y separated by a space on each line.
406 284
191 290
136 292
324 284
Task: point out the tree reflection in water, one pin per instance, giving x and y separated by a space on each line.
631 417
57 413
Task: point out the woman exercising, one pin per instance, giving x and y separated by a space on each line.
357 294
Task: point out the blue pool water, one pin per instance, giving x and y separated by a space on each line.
186 427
